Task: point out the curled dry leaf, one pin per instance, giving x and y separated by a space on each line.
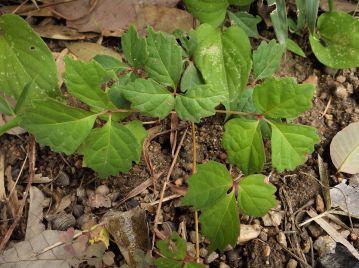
346 197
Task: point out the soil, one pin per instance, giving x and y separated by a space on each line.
337 94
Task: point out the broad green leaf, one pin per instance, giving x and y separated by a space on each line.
243 142
207 186
246 21
191 78
267 58
198 102
282 97
224 60
220 223
140 134
188 41
174 248
245 103
110 63
280 21
255 195
84 80
134 48
149 97
164 64
344 149
23 56
291 144
110 149
167 263
5 107
208 11
57 125
293 47
115 92
337 43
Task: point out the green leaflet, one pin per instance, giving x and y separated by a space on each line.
220 223
134 48
57 125
84 80
293 47
243 142
337 42
110 63
291 144
174 248
167 263
164 64
112 148
224 60
267 58
24 56
5 107
193 265
191 78
208 185
282 97
256 196
246 21
139 132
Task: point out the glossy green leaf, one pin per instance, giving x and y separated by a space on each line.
84 80
224 60
220 223
167 263
198 102
191 78
134 48
149 97
243 142
255 195
282 97
111 149
337 43
23 56
291 144
110 63
246 21
164 64
173 248
57 125
293 47
267 58
5 107
207 186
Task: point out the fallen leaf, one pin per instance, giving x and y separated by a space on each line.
60 63
34 221
28 10
97 200
346 197
13 203
64 203
61 32
86 51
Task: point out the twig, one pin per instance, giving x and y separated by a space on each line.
326 107
295 256
18 177
20 6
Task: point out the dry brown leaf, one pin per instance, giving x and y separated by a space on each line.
86 51
64 203
61 32
111 18
97 200
28 10
13 203
60 64
34 225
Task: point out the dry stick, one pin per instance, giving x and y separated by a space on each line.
23 202
194 169
18 177
326 107
165 186
20 6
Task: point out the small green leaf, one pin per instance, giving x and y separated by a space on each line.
110 63
293 47
337 43
197 103
291 144
220 223
208 185
111 149
243 142
134 48
193 265
174 248
164 64
167 263
191 78
246 21
255 195
57 125
282 97
267 58
84 80
149 97
5 107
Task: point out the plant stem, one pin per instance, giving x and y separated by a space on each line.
9 125
239 113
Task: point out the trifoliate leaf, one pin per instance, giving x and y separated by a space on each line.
110 63
282 97
149 97
255 195
337 43
246 21
220 222
291 144
57 125
267 58
198 102
293 47
25 56
167 263
191 78
164 64
5 107
174 248
84 80
207 186
224 60
111 149
134 48
244 145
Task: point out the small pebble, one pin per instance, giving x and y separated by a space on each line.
325 245
263 236
102 189
319 204
223 265
314 230
341 78
341 92
282 240
179 182
191 250
211 257
192 236
223 156
203 252
292 263
266 251
353 237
